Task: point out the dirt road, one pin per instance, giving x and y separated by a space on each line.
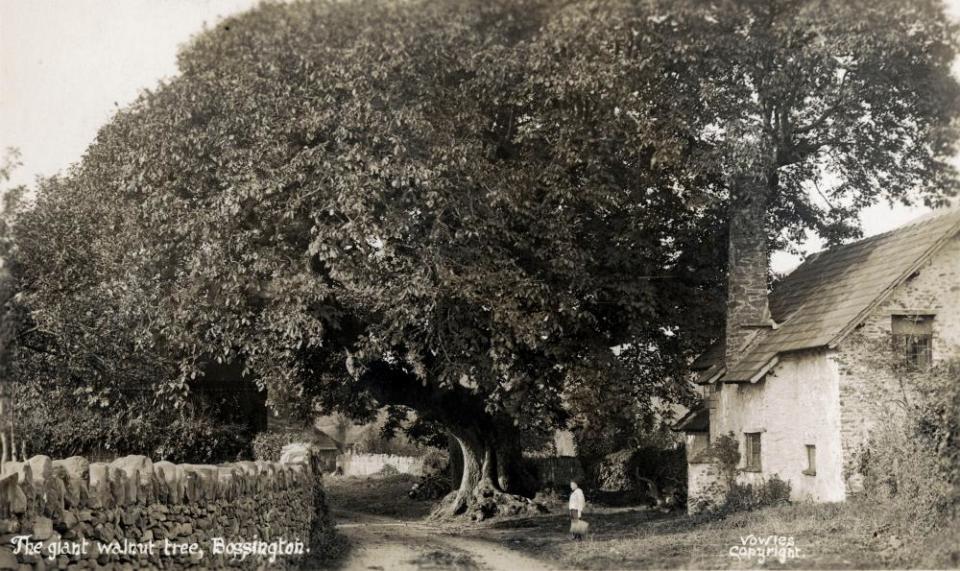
383 543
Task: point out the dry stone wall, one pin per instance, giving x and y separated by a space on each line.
133 514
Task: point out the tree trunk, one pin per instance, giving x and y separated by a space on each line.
490 469
486 469
512 473
471 463
456 460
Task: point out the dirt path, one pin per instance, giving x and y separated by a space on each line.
382 543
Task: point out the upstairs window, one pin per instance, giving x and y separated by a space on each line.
913 339
752 446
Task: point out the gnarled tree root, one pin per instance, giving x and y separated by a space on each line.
485 502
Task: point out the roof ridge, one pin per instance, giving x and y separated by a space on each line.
947 235
922 219
925 218
825 298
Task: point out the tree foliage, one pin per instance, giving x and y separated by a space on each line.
9 313
312 183
835 105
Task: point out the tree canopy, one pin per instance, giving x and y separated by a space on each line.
464 207
836 105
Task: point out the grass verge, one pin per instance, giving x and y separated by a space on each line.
824 536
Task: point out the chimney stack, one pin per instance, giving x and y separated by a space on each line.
748 308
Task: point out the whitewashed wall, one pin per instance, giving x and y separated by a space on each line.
368 464
797 404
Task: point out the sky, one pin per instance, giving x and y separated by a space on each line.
66 66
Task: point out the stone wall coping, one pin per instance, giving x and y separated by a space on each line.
77 483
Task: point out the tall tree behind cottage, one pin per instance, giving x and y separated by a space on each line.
460 207
819 109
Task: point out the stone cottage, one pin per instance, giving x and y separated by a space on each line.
800 378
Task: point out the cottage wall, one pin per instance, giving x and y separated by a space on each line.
706 485
795 405
835 399
868 395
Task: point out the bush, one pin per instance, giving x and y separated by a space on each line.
374 441
436 461
551 497
666 469
913 469
937 424
725 450
268 445
911 473
326 545
657 474
613 473
54 422
745 497
388 470
430 487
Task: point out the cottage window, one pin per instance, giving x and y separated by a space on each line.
752 445
811 460
913 339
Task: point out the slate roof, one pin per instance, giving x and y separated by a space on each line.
322 440
697 420
832 292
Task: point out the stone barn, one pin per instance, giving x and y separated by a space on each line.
801 380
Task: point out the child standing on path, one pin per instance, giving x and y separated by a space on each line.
577 503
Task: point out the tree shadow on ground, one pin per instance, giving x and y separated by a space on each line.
630 498
601 519
385 496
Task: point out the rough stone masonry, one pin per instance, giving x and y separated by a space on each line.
136 514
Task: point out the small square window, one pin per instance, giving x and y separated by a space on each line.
752 442
811 460
913 339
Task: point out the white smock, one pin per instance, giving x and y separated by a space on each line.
577 501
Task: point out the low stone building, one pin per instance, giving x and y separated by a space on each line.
804 380
325 448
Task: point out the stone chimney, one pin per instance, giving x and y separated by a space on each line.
747 267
